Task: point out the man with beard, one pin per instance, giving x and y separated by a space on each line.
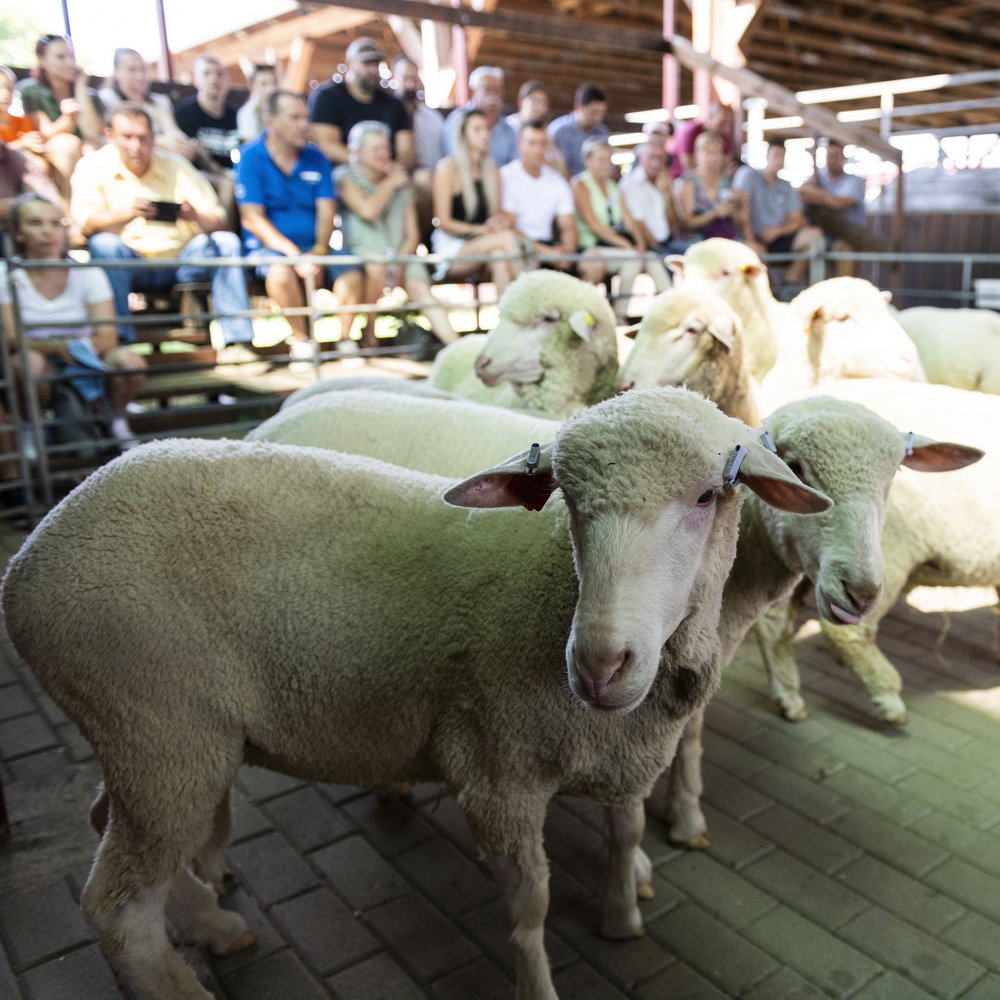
487 86
335 108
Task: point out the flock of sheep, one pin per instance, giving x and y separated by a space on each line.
561 571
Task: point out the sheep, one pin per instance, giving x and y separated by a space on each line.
693 339
445 437
704 363
851 333
176 653
958 347
851 455
732 271
381 383
554 349
940 531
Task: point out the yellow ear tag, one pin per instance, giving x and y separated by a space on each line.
589 319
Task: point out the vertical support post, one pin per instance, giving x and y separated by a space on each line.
671 95
460 60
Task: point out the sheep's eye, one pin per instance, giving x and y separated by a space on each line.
796 468
706 498
552 317
693 330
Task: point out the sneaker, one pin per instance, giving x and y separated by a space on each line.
235 354
303 354
122 434
348 348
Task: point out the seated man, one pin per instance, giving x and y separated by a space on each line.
777 221
207 119
647 195
133 202
539 198
284 189
586 121
835 200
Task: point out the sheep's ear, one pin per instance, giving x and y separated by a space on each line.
925 455
582 323
723 328
752 270
887 296
768 476
512 483
629 331
676 264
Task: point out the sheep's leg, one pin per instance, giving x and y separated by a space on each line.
643 875
210 862
523 876
193 912
129 922
620 916
685 820
775 632
854 646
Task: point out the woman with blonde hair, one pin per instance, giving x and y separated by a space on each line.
470 222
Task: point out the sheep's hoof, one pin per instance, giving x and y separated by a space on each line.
628 932
793 710
890 708
241 943
645 890
698 842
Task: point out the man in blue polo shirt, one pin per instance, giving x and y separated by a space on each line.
284 189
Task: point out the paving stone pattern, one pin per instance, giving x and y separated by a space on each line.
848 859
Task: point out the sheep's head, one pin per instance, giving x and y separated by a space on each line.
851 332
850 454
680 341
545 317
719 266
653 517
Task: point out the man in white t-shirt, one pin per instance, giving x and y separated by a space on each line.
539 198
646 191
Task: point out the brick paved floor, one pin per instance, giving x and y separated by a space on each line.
848 859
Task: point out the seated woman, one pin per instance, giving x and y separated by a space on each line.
129 84
608 235
60 105
380 220
470 222
250 117
103 373
708 204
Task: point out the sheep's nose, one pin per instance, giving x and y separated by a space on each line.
597 676
482 364
863 596
624 386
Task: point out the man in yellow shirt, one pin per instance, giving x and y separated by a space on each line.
134 202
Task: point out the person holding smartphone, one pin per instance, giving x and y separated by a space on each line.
133 202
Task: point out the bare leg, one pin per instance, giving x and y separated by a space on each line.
375 279
628 269
620 917
348 288
419 290
684 816
804 241
130 373
285 289
63 151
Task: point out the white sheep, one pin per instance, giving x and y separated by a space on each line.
958 347
178 654
695 339
442 436
554 349
851 455
850 332
704 362
940 531
380 383
732 271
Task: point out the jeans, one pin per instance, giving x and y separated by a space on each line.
229 287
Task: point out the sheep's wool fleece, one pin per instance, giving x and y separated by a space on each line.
222 601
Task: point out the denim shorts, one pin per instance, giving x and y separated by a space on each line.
333 271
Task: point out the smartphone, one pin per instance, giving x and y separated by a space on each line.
166 211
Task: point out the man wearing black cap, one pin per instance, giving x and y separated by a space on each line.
335 108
